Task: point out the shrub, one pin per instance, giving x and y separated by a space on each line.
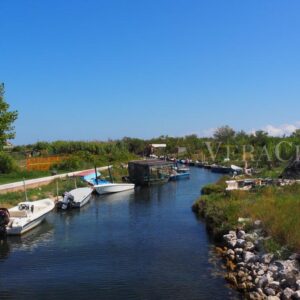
7 163
70 164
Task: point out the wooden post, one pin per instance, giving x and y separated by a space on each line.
75 182
111 178
25 191
96 177
57 189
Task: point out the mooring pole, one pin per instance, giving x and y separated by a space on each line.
57 189
25 191
96 177
111 178
75 182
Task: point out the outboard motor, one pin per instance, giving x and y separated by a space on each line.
4 220
67 200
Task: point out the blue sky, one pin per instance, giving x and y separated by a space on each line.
106 69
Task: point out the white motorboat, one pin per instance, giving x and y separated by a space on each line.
108 188
25 216
75 198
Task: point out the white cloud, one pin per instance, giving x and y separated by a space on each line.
208 132
284 129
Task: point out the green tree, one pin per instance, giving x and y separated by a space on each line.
296 133
7 119
224 134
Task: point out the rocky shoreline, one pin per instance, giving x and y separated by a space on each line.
257 274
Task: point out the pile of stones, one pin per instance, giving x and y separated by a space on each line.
259 275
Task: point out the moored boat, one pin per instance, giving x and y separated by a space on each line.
179 175
25 216
75 198
221 169
108 187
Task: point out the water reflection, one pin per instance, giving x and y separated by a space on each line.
41 235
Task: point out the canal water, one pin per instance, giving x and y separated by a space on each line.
145 244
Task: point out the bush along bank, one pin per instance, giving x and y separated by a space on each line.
262 259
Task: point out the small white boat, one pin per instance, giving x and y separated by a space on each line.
75 198
27 215
108 188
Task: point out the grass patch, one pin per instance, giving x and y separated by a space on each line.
46 191
277 207
20 175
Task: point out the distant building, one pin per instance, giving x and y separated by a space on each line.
148 172
150 150
8 145
181 150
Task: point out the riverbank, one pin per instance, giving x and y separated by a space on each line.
258 235
50 190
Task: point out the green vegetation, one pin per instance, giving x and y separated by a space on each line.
7 163
7 118
46 191
22 174
277 207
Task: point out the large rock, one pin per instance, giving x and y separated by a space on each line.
240 243
269 292
275 285
298 285
230 239
264 281
296 295
249 246
250 257
267 258
251 237
287 294
241 234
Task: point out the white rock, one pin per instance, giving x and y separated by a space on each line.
238 250
248 256
231 243
287 293
230 236
273 268
273 298
296 295
240 243
262 282
267 258
275 285
298 284
249 246
269 292
261 272
229 252
252 237
241 234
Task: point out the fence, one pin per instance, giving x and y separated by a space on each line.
42 163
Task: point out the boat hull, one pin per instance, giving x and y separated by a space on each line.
103 189
31 216
22 229
180 176
83 202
